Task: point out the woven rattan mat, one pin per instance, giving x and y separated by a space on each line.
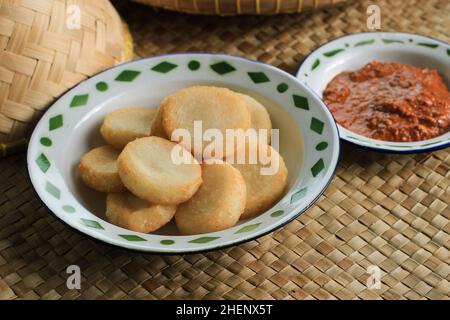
386 210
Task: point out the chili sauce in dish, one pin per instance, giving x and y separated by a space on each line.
390 102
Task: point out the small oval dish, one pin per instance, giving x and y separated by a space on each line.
352 52
309 143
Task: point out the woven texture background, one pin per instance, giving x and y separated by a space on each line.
233 7
386 210
40 58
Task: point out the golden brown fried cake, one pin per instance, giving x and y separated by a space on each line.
147 169
130 212
217 108
262 190
98 170
125 125
217 205
157 127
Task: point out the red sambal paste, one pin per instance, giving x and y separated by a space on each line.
391 102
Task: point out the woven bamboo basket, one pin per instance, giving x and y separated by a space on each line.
236 7
42 55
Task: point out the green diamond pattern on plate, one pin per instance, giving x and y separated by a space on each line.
92 224
430 143
79 100
332 53
223 68
398 146
322 146
167 242
258 77
317 125
68 209
301 102
43 163
248 228
164 67
55 122
365 42
128 76
299 195
46 142
132 237
277 213
428 45
53 190
389 41
204 239
315 64
318 167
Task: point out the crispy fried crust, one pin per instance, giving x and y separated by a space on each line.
125 125
217 205
263 191
147 169
217 108
128 211
98 170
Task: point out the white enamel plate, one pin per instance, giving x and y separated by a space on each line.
352 52
309 143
